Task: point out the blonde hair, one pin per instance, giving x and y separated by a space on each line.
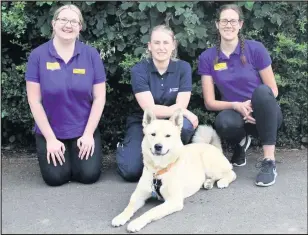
71 7
169 31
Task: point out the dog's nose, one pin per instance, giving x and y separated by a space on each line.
158 147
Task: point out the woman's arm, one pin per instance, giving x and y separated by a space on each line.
99 100
145 100
209 96
268 78
38 112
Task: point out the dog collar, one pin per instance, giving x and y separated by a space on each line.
164 170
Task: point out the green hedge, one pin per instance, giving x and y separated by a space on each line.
120 31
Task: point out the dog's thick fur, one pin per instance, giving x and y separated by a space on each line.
186 168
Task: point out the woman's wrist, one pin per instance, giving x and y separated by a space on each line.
234 105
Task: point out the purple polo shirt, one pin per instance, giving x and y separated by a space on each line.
66 89
165 87
235 81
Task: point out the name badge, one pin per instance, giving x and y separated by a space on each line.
52 65
220 66
79 71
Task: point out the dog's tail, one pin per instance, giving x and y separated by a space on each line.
206 134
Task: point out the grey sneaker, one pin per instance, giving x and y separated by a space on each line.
267 174
239 155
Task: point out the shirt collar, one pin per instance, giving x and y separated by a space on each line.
53 52
170 69
237 51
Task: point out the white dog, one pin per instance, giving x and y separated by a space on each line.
173 171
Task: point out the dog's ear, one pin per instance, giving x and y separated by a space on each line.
177 118
148 117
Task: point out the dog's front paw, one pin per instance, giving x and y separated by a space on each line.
119 220
208 184
222 183
136 225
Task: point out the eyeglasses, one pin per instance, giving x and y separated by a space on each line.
224 22
64 21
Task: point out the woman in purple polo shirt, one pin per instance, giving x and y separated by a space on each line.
66 93
241 70
163 83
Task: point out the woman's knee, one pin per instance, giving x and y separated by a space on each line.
230 125
228 120
187 131
262 93
56 179
89 177
129 160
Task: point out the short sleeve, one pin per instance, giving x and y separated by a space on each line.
262 58
32 68
99 69
186 77
139 79
205 64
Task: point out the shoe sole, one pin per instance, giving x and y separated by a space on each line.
247 146
243 164
268 184
248 143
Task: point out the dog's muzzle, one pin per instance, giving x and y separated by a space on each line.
158 150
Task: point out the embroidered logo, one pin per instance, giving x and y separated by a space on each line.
173 89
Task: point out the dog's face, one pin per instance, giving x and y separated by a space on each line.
161 136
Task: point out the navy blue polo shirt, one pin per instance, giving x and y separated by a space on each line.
165 87
66 88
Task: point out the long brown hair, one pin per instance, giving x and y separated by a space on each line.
238 10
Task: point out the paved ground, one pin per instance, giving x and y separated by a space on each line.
29 206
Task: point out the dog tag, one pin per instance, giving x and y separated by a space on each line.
154 194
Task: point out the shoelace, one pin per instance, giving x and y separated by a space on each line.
261 163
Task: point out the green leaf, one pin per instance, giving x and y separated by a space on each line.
266 8
279 22
258 23
144 29
139 50
142 6
126 5
249 5
100 24
161 6
12 139
121 46
111 9
45 29
145 38
110 36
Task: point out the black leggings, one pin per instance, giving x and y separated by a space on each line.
230 125
73 169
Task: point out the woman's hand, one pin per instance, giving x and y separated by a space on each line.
192 118
86 146
245 109
55 150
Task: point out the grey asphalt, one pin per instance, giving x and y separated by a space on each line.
29 206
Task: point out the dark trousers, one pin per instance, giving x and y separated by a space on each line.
73 169
230 125
129 157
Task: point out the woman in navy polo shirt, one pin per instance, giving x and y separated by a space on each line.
66 93
163 83
241 70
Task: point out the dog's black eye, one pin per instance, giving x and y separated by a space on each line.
168 136
153 134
